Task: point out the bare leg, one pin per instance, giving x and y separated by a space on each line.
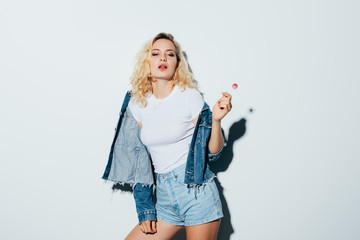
165 231
207 231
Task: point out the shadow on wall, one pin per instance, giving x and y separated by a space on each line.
237 130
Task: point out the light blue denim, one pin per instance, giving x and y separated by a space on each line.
129 161
178 204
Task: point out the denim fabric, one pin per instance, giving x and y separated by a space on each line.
130 163
144 203
178 204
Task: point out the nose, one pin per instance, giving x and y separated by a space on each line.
163 58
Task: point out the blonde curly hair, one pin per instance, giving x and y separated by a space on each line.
140 78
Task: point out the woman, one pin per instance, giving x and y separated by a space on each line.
168 146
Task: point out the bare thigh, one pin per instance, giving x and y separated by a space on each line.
165 231
206 231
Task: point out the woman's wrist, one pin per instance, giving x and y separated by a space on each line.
216 121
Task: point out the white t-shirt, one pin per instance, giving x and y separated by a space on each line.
167 126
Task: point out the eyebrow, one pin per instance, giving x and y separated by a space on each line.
165 50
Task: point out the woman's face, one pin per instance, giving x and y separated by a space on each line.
163 61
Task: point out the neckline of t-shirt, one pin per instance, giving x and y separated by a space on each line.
167 97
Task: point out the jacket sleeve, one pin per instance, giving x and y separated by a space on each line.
145 207
214 157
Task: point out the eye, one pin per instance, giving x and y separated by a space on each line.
154 54
171 54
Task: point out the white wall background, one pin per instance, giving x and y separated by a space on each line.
64 70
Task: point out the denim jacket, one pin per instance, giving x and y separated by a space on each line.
130 162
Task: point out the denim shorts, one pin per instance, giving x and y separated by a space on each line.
178 204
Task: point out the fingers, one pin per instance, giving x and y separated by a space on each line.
226 95
153 226
141 225
225 101
148 226
225 106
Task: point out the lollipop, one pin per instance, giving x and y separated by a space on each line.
234 86
231 91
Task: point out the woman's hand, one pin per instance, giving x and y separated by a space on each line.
222 107
148 226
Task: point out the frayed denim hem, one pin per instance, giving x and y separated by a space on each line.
130 184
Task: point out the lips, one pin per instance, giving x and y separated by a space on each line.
163 66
